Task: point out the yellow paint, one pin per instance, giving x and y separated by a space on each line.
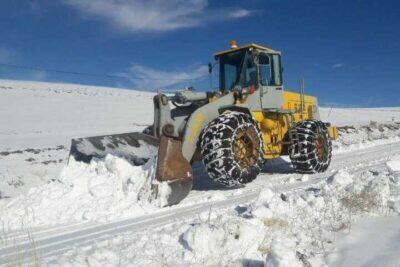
274 126
195 130
292 102
333 133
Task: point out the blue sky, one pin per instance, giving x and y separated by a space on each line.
348 51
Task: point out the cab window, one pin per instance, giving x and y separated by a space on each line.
264 69
276 70
230 66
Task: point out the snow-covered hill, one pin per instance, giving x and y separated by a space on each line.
81 203
38 121
39 114
359 116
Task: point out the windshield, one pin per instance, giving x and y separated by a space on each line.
230 65
238 69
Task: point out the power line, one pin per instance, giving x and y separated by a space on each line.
109 76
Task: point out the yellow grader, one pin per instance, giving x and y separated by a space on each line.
233 131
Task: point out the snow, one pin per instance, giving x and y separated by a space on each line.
313 225
373 241
99 191
394 164
342 178
38 121
290 228
282 254
53 111
369 135
359 116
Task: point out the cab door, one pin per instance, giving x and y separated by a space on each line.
270 81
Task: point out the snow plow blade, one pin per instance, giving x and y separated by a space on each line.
173 171
136 147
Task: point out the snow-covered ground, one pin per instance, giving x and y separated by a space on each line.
103 213
360 116
38 121
372 241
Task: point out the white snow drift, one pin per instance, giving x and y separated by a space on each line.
296 228
99 191
372 134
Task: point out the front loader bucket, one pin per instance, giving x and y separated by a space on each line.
136 147
173 172
174 169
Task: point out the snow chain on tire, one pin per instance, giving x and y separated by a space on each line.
312 152
232 149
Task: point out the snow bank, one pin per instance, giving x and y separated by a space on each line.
394 168
394 164
373 241
314 216
99 191
290 229
283 254
359 137
210 243
293 228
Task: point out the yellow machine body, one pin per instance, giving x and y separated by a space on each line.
275 125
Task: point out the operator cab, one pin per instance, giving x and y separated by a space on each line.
247 66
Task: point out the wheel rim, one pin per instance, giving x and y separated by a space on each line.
245 147
321 148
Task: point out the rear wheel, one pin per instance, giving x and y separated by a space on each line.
312 152
231 149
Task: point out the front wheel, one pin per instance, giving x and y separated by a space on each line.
231 148
311 151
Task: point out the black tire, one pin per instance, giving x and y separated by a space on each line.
315 147
225 142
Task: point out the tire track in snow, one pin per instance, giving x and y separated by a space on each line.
51 242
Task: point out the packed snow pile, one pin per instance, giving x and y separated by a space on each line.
99 191
358 137
213 242
394 164
293 228
372 241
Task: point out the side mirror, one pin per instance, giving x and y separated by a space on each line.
210 67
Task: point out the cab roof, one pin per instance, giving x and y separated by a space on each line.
244 47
